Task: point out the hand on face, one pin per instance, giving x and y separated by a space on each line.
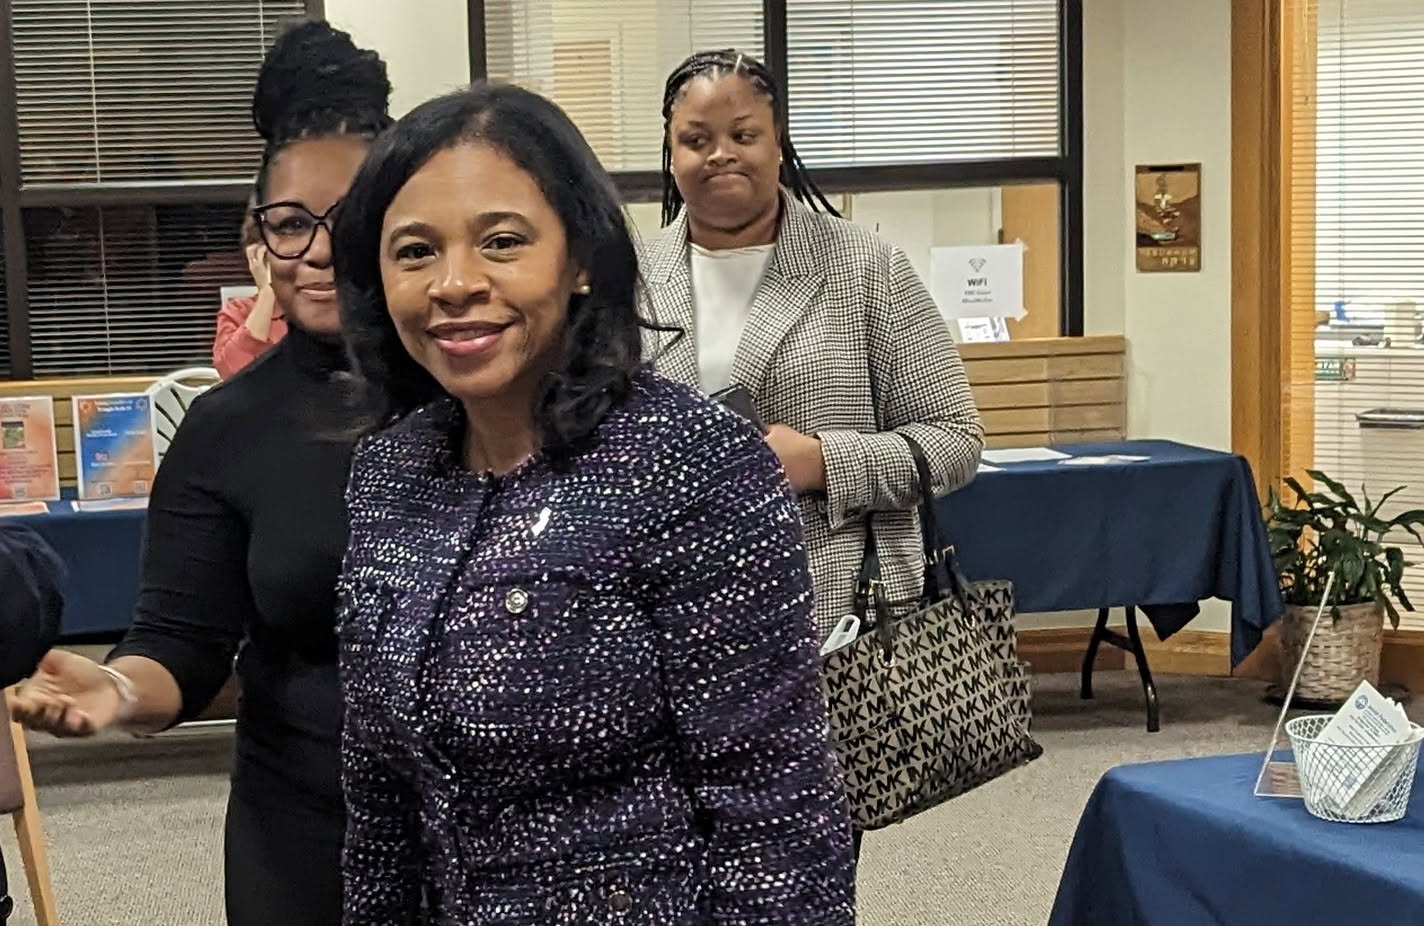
257 265
800 456
477 275
68 695
316 173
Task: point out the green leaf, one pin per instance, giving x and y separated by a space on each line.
1373 510
1346 500
1414 517
1394 557
1389 610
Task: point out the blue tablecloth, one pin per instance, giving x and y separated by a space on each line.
1185 843
1178 528
101 549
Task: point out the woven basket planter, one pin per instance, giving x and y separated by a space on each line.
1343 651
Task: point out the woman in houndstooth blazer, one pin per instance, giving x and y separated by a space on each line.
825 324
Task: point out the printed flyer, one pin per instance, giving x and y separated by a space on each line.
29 460
113 445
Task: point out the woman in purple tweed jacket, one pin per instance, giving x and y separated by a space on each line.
576 639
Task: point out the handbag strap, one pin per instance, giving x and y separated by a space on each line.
942 575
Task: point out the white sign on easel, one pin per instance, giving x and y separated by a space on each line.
977 287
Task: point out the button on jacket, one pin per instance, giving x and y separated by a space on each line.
587 696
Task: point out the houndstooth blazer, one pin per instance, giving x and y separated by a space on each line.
840 323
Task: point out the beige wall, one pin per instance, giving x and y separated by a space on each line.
1176 97
425 45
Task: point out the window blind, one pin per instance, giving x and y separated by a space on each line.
877 82
4 321
1357 194
128 289
139 90
606 63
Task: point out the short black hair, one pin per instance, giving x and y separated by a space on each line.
719 63
602 349
315 83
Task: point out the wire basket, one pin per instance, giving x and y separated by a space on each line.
1349 783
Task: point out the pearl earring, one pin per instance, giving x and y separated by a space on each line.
584 289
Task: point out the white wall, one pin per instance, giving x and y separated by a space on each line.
425 45
1176 102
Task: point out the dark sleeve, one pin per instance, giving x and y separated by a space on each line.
742 669
194 602
32 579
380 859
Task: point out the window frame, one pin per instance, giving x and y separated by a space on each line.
15 197
1066 169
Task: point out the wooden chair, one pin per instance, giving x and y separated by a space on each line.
17 798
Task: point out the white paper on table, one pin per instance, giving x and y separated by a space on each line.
983 330
110 504
1022 455
986 468
21 509
1107 460
1367 718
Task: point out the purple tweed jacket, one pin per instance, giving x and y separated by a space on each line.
586 697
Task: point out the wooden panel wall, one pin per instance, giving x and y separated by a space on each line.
1050 390
1031 392
63 390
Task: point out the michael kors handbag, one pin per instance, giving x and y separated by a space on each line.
930 700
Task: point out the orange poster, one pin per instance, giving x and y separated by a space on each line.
29 462
114 453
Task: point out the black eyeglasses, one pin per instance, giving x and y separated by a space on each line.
288 229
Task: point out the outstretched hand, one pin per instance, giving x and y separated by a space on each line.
69 695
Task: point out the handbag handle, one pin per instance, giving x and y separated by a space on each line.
942 575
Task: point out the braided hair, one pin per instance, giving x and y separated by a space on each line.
315 83
713 65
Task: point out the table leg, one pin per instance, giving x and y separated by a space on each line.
1091 656
1149 688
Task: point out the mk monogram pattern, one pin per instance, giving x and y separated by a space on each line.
951 713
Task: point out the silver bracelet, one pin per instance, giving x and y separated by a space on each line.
128 697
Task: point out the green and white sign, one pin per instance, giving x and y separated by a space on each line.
1334 369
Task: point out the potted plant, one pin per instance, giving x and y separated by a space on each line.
1323 532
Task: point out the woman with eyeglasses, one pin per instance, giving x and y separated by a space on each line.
249 326
247 521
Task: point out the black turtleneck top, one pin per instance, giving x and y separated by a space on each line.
246 531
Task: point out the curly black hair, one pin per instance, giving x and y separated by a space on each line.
719 63
315 83
602 346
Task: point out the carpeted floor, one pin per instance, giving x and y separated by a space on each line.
134 827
